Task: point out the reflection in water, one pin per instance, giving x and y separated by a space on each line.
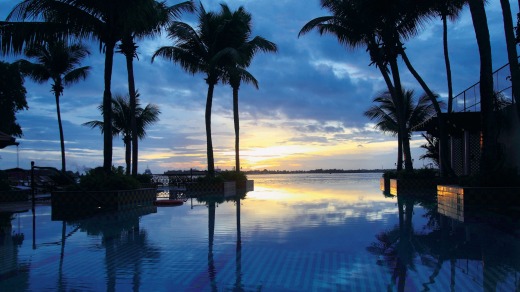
121 236
292 233
16 273
211 233
238 254
398 247
471 252
211 203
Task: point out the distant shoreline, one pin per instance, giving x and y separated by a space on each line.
316 171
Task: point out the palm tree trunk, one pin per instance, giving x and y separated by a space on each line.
447 61
489 155
60 126
133 124
237 129
373 48
209 142
107 107
511 50
403 132
445 166
399 166
128 150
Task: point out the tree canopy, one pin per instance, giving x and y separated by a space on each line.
12 98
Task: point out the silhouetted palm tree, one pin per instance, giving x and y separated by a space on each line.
432 149
241 54
489 149
447 9
128 47
121 122
382 27
511 51
58 62
384 113
197 51
103 20
378 26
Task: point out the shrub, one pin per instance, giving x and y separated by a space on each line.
232 175
98 180
144 178
227 175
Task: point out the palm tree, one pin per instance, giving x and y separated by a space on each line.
58 62
122 125
381 26
448 9
128 48
94 19
241 55
432 149
489 148
511 51
386 116
372 25
197 51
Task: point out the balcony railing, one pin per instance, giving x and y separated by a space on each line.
469 99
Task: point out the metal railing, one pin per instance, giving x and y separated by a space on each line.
469 99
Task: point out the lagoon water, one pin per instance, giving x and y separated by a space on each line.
295 232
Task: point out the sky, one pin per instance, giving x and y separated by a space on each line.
306 114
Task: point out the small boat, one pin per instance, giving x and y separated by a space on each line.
168 202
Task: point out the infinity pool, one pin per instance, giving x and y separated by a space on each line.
298 232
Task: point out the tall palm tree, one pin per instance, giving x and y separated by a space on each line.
56 61
196 51
105 21
489 149
381 26
511 51
447 9
385 113
241 55
128 48
122 125
359 23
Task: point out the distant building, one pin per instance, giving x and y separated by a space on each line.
147 171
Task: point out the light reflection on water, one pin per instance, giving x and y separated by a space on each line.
302 232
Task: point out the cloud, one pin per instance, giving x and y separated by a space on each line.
313 92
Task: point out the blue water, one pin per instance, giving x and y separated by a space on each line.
299 232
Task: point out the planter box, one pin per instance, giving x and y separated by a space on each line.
228 188
413 187
113 200
102 217
248 185
468 203
384 185
14 196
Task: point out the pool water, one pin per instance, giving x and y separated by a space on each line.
295 232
